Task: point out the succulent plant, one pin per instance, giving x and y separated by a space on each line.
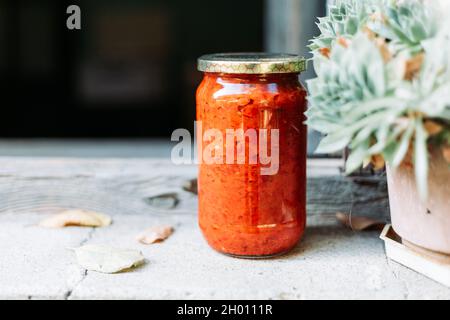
385 90
405 23
344 19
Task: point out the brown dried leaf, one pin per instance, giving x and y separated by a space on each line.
378 162
370 34
413 66
433 128
191 186
326 52
78 218
384 49
358 223
155 234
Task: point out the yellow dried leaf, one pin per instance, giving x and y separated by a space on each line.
433 128
78 218
358 223
155 234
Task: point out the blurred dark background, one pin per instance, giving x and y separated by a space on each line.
131 70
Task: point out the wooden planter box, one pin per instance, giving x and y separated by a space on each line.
432 265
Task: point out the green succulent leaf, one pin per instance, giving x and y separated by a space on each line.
345 18
410 23
357 157
401 149
347 103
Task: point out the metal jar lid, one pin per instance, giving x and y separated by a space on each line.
251 63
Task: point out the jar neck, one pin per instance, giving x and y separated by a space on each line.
252 78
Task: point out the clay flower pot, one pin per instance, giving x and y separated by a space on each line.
425 224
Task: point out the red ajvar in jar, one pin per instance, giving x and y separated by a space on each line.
243 211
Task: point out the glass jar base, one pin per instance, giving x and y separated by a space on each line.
260 257
266 245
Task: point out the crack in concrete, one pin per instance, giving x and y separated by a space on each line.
88 237
68 294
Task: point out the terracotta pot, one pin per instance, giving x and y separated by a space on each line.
423 223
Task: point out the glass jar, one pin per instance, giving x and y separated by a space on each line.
252 152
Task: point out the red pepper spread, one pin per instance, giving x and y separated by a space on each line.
241 211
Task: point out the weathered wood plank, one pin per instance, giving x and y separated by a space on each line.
123 185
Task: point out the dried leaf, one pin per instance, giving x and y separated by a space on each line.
370 34
358 223
433 128
107 259
77 217
155 234
413 66
384 49
191 186
326 52
378 162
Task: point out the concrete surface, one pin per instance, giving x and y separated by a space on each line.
330 262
